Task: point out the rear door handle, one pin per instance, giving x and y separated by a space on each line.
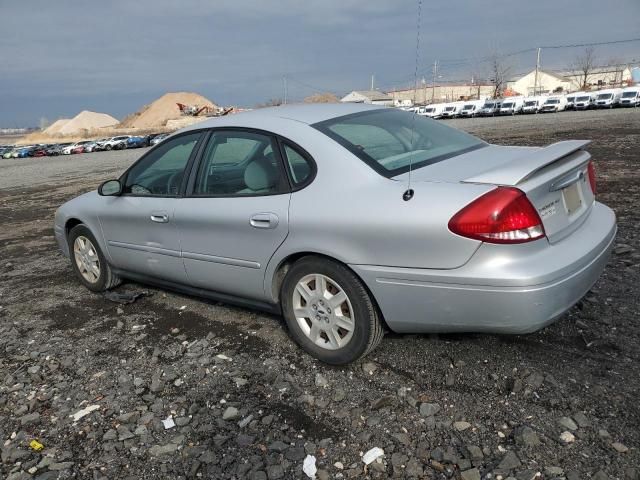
264 220
159 217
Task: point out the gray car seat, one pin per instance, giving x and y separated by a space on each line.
260 176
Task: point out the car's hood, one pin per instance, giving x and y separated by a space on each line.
471 164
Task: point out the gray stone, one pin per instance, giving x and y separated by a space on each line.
274 472
582 420
509 461
461 426
527 437
619 447
429 409
383 402
567 423
553 472
600 475
161 450
475 452
472 474
369 368
399 460
295 454
58 466
30 419
414 468
230 413
320 382
527 475
278 446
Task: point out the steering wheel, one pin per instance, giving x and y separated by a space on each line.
170 182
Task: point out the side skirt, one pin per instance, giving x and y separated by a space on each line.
200 292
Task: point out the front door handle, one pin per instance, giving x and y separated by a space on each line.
159 217
264 220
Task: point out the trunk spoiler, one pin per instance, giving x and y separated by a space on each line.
523 167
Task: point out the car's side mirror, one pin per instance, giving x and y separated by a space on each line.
110 188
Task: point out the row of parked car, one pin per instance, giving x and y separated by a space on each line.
120 142
610 98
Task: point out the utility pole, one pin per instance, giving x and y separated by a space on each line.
372 81
535 82
433 85
284 88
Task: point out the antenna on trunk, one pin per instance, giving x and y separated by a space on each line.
408 194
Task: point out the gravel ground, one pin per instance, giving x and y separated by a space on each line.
176 387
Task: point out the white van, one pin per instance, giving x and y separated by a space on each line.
511 106
608 98
630 97
571 100
451 110
489 109
532 104
471 108
432 111
554 104
584 101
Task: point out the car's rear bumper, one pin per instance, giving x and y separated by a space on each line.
502 289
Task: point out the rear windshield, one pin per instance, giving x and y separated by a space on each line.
389 141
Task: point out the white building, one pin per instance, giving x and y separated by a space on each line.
374 97
600 77
547 82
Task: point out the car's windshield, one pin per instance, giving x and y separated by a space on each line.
604 96
507 105
489 105
629 94
468 107
582 99
552 101
530 103
570 99
450 109
390 141
429 110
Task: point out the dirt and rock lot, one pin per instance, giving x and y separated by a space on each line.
177 387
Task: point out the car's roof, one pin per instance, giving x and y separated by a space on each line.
304 113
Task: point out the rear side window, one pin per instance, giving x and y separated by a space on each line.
299 165
238 163
390 140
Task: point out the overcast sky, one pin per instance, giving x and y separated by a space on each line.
60 57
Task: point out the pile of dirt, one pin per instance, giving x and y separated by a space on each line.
86 121
55 127
156 114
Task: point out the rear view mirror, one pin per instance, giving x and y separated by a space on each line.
110 188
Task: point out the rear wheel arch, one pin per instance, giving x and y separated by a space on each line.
286 263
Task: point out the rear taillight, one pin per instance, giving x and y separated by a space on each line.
503 215
591 170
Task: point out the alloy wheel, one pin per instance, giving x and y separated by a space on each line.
323 311
87 259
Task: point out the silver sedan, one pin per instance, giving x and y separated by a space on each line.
350 220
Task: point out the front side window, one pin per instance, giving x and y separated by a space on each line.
160 173
238 163
389 141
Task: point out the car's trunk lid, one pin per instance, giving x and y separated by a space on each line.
554 178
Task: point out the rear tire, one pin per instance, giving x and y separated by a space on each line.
329 312
88 261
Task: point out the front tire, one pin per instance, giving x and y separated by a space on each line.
329 312
88 261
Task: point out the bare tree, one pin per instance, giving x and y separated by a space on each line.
584 65
499 73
